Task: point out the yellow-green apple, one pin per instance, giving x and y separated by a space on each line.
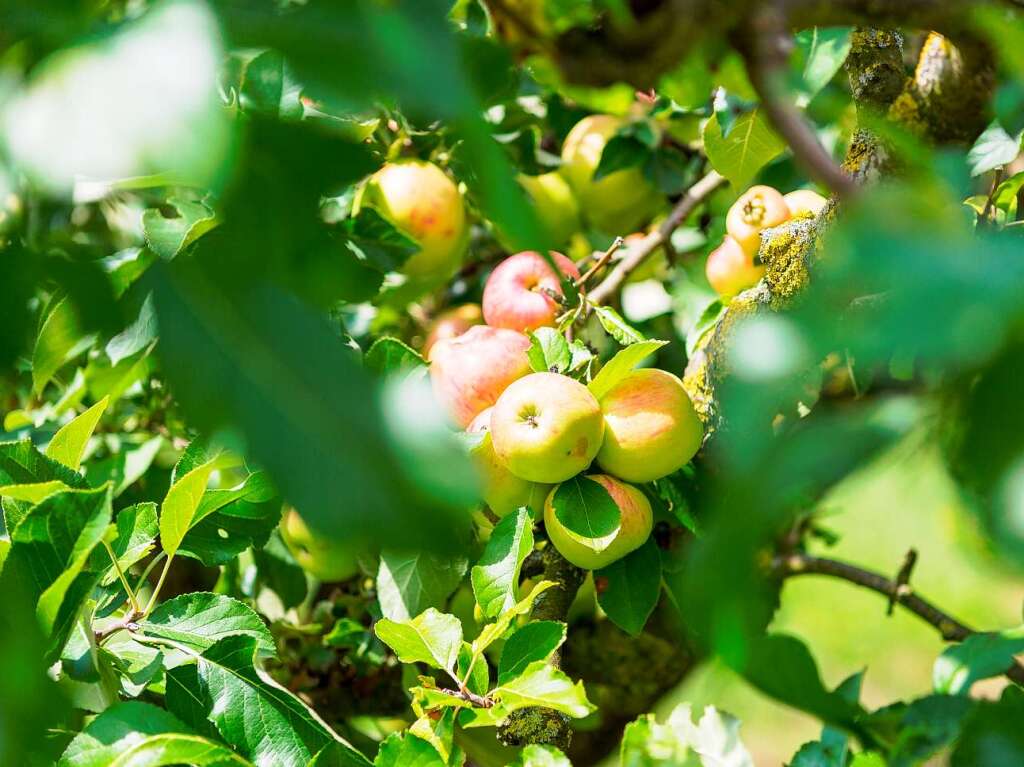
730 268
635 523
757 208
518 294
451 324
469 372
324 558
621 201
422 201
552 198
804 202
650 427
546 427
503 491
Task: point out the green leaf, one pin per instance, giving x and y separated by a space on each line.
477 676
228 521
993 149
432 637
621 365
137 528
377 240
621 152
992 736
137 336
135 734
1005 197
389 356
707 320
818 56
543 685
617 327
978 657
61 337
68 444
586 509
407 584
200 619
494 631
633 587
535 641
869 759
495 578
256 716
279 572
714 740
171 229
750 145
534 755
126 467
549 352
178 510
402 749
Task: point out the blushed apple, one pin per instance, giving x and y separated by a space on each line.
621 201
650 427
517 295
635 524
451 324
757 209
552 198
503 491
469 372
804 202
324 558
730 269
422 201
546 427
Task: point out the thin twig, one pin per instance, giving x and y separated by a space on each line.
997 179
766 52
951 629
599 264
902 579
639 253
127 622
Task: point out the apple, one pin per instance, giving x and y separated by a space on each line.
516 294
546 427
621 201
504 492
804 202
650 427
470 371
757 208
635 526
326 559
421 200
730 269
552 198
451 324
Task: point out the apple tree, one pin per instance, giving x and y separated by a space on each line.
443 382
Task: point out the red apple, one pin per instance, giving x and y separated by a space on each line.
757 208
546 427
516 294
469 372
650 427
451 324
730 269
636 522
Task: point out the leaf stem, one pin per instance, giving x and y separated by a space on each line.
132 598
159 586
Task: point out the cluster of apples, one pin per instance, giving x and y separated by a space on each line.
540 429
733 265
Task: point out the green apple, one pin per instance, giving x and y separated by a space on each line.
546 427
555 204
503 491
621 201
635 526
422 201
324 558
650 427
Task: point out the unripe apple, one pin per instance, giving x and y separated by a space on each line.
546 427
452 324
635 526
326 559
518 292
469 372
804 202
552 198
621 201
422 201
650 427
504 492
757 208
730 269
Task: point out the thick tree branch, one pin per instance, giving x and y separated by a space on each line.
951 629
693 197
